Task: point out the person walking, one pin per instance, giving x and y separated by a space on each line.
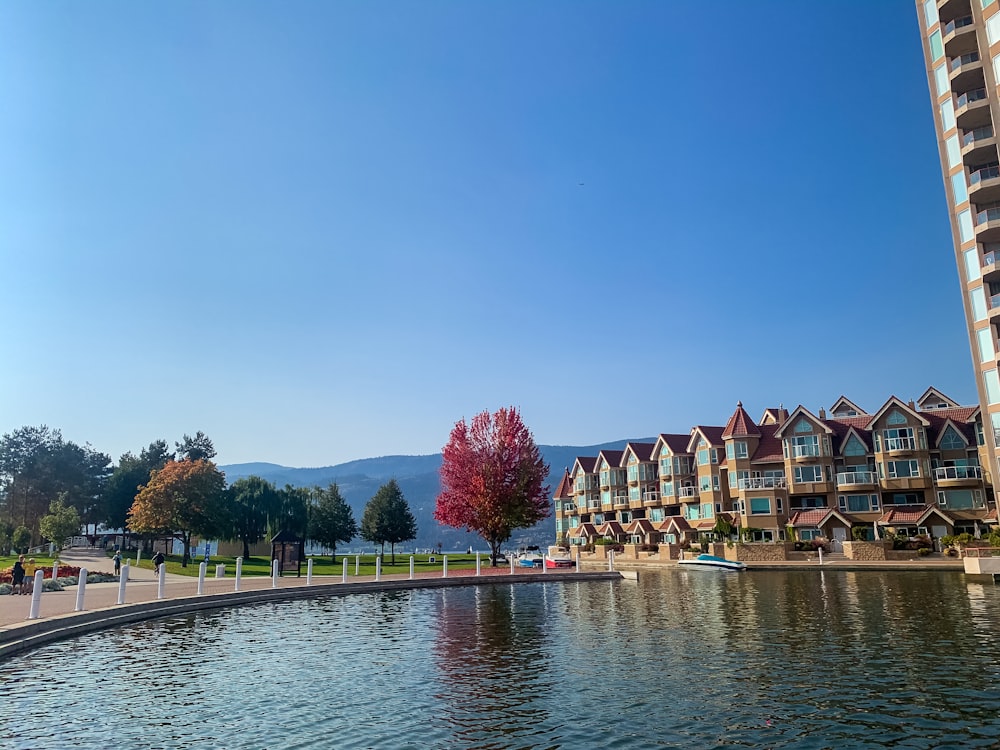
118 563
17 576
29 576
157 562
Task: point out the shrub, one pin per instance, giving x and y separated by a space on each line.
859 533
924 551
951 552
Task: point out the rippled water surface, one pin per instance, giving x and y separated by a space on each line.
693 659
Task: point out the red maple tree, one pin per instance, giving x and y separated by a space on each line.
492 477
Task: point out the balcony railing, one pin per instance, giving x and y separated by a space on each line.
977 135
990 214
958 472
958 23
762 483
958 62
986 173
569 508
650 497
970 96
804 451
855 477
687 492
991 258
900 444
621 499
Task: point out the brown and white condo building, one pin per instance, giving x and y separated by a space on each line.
961 42
906 468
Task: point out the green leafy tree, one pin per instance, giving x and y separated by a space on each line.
181 499
331 519
387 518
196 448
62 522
252 501
21 538
131 473
292 512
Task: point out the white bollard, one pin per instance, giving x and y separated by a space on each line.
378 568
344 579
138 555
411 567
611 559
239 572
220 570
36 595
274 574
161 581
55 569
81 587
820 549
309 572
121 583
577 559
512 565
202 570
357 565
444 569
478 569
544 567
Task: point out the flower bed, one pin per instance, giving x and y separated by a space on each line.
65 571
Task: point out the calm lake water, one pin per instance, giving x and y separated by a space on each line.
693 659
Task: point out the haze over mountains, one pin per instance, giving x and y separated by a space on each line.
418 478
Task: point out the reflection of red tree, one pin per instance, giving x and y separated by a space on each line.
493 657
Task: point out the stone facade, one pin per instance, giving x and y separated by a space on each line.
757 552
865 551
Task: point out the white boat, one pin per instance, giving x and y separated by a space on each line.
559 557
529 558
711 561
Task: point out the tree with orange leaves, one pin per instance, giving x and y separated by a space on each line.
183 498
492 476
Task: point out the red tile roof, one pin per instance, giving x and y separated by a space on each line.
614 458
586 530
769 448
811 517
902 514
740 424
643 451
565 488
679 522
587 463
610 527
640 525
677 443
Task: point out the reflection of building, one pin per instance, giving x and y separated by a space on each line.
911 468
962 56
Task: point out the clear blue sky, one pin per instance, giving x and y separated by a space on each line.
321 231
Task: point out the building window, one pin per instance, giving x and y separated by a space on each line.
801 503
992 29
988 3
941 80
857 503
703 456
803 445
947 115
730 451
732 480
895 417
992 383
961 194
715 456
656 515
667 488
807 535
953 151
706 510
930 13
985 338
977 300
903 469
715 482
937 49
808 474
854 447
803 426
951 440
961 499
965 230
705 484
760 506
972 268
741 449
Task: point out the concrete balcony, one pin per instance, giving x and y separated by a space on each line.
620 502
959 36
650 498
762 483
984 184
687 492
899 445
979 146
966 72
972 110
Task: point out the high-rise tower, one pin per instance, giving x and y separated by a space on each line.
961 40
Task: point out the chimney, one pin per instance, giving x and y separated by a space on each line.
910 404
822 413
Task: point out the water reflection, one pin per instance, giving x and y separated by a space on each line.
777 659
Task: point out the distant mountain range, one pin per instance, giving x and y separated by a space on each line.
418 479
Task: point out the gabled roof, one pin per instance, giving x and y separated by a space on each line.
773 415
910 515
712 436
938 430
769 448
802 412
640 526
675 524
642 451
585 464
843 429
740 424
844 404
895 402
565 488
584 530
932 397
614 458
612 528
817 517
677 444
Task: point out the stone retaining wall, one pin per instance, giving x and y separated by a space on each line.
865 551
757 552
